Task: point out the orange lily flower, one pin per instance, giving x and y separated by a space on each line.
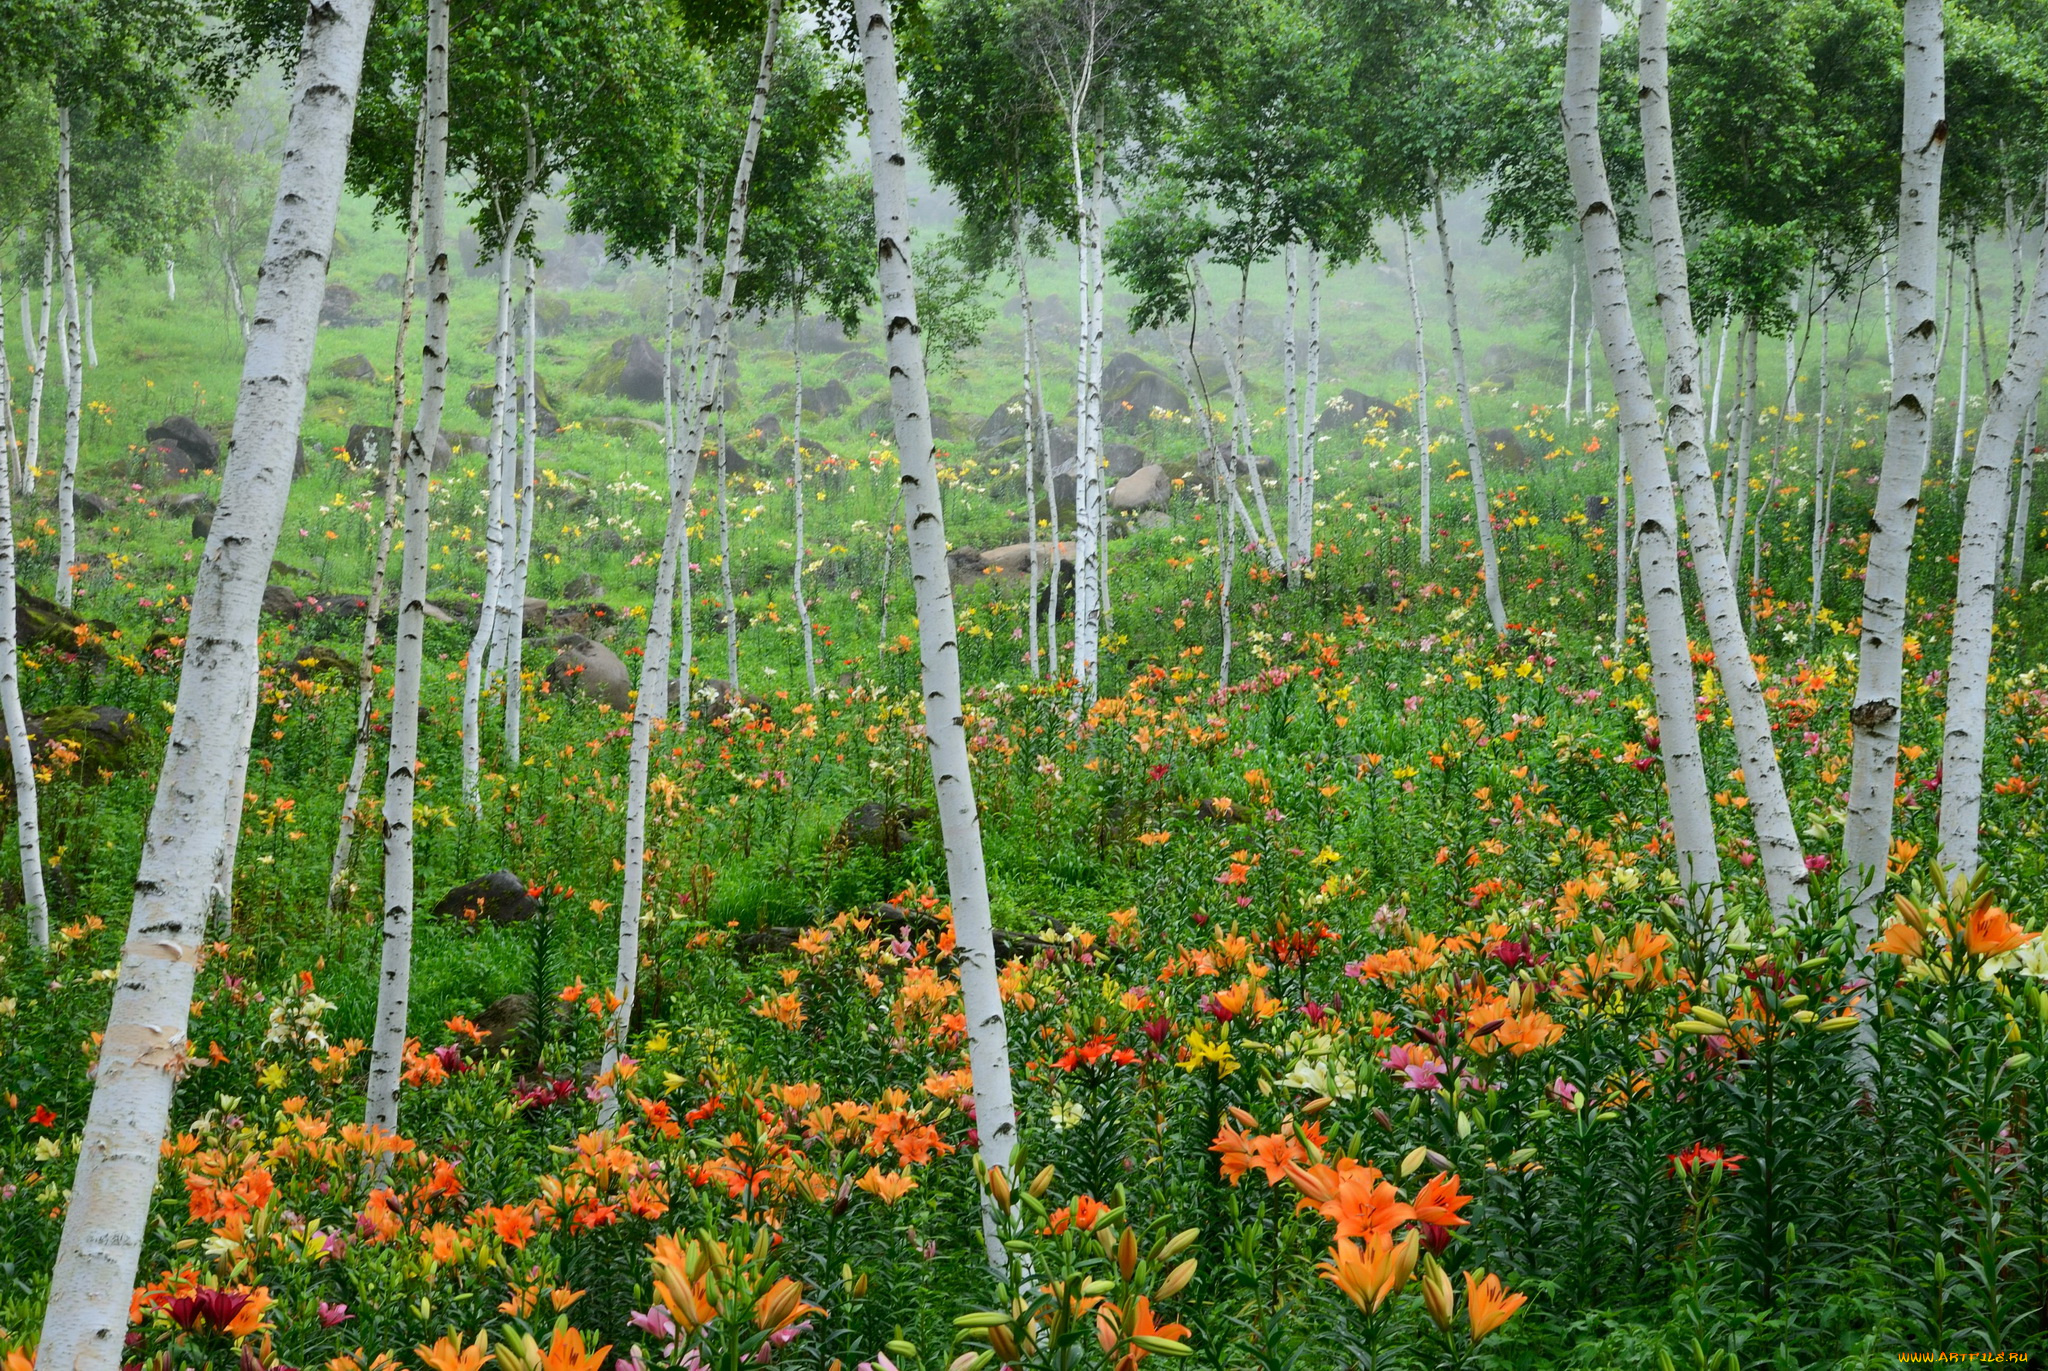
1369 1273
1902 940
886 1186
1992 932
1438 1202
1367 1204
1109 1329
565 1352
1487 1304
450 1355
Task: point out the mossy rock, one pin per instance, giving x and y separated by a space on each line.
47 624
602 375
104 737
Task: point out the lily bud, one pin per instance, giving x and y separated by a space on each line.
1127 1255
1177 1279
1437 1296
999 1188
1040 1183
1405 1257
1165 1347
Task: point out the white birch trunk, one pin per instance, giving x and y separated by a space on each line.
1031 652
401 765
1791 368
1770 808
1738 494
1425 457
1311 406
1977 567
1090 499
803 608
366 664
944 712
1482 507
1735 475
2023 504
236 300
1244 459
522 560
27 827
1955 453
74 371
92 347
1621 525
497 531
8 432
651 704
145 1044
1571 331
1720 368
732 611
1098 312
1879 697
1685 780
32 457
231 822
1586 372
1821 485
1948 311
1290 369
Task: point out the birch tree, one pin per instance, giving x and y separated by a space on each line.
145 1041
1656 513
27 826
498 512
1879 696
939 652
415 466
1425 456
1977 574
74 368
1770 809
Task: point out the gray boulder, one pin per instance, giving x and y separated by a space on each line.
500 898
588 666
200 448
1351 407
338 305
1122 459
1145 488
827 401
1005 421
369 446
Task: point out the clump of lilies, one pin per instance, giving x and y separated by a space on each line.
1959 934
1077 1274
720 1303
1382 1239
